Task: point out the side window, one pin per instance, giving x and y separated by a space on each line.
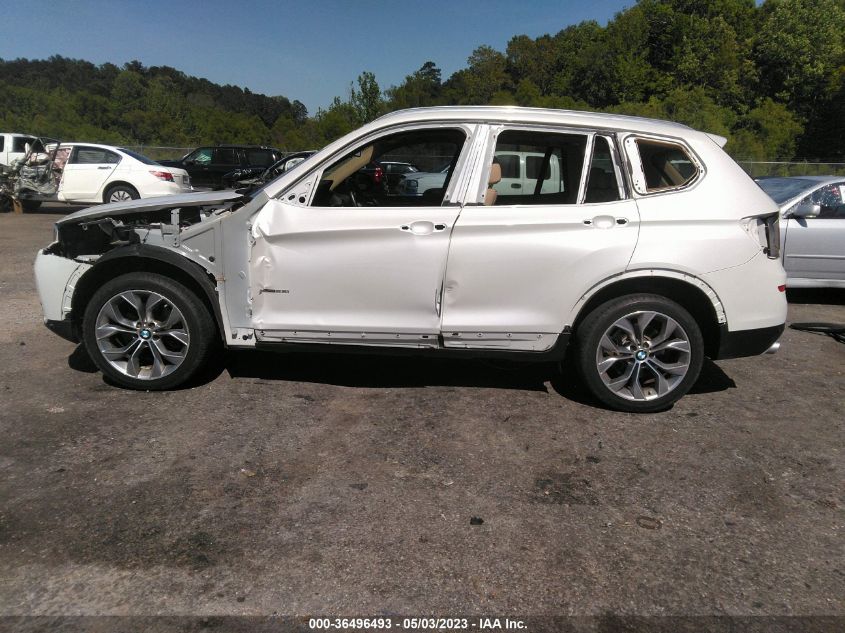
2 142
259 158
225 156
360 179
201 156
831 199
19 143
539 167
93 156
602 185
665 165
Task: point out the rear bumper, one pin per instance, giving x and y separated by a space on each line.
743 343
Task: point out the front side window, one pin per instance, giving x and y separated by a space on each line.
665 165
362 178
201 156
93 156
831 201
19 143
539 167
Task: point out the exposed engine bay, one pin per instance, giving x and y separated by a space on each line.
159 224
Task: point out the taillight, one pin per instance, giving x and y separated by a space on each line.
773 236
782 288
765 229
163 175
378 175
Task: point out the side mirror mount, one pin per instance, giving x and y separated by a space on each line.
189 162
805 209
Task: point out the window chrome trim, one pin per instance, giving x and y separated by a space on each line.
632 154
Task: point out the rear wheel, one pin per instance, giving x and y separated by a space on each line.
639 353
146 331
30 205
120 193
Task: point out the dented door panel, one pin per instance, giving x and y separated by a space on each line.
343 272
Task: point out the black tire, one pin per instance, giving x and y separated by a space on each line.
118 191
644 396
195 321
5 204
30 205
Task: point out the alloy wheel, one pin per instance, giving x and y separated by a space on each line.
643 355
142 334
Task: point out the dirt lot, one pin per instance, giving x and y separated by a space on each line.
339 485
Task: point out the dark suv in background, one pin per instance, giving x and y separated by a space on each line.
208 165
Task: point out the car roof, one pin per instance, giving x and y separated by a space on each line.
518 114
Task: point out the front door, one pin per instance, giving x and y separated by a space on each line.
354 263
813 246
85 173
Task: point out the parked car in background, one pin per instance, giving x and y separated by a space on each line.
419 182
208 165
679 263
13 146
103 173
812 228
252 176
94 173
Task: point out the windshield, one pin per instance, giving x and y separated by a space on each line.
782 189
137 156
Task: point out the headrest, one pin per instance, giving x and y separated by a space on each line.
495 174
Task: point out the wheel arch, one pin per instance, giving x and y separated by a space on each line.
146 258
691 293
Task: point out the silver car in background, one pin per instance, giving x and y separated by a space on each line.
812 229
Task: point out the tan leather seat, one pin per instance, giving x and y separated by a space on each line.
495 176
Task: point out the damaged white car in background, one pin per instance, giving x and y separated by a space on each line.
637 244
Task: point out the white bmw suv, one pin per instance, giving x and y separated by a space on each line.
632 248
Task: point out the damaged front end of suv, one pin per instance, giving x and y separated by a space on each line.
127 251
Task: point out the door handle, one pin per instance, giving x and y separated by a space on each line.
103 167
422 227
516 185
601 221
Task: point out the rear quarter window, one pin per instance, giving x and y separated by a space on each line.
665 165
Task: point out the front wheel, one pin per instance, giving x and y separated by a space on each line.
146 331
639 353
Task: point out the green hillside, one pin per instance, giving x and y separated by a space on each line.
771 78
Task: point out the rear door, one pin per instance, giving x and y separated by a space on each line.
85 173
518 266
814 248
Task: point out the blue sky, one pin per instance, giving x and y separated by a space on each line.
308 50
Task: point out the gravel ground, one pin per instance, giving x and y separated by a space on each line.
324 484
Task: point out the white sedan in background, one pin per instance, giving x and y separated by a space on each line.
103 173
